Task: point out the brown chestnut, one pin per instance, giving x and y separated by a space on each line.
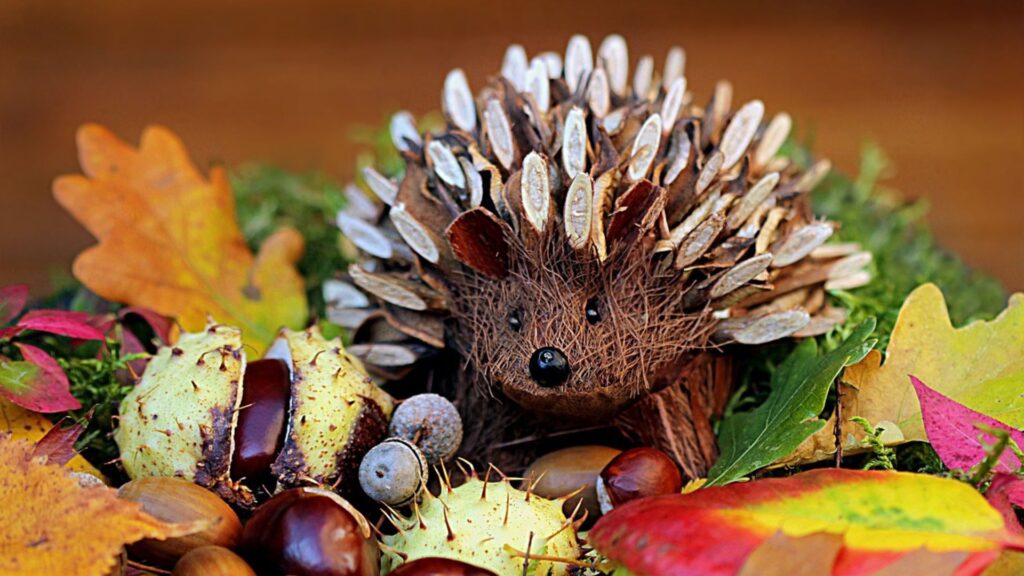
310 532
637 473
177 500
212 561
259 434
439 567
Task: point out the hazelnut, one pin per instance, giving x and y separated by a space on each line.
212 561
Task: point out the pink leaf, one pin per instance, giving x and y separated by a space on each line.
37 383
950 427
58 444
62 322
10 332
1005 492
161 325
12 301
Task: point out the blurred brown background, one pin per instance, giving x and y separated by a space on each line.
938 84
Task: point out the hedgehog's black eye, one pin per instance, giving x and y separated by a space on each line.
593 311
515 322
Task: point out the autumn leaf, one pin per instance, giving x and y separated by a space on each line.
952 431
979 365
881 517
48 522
169 239
22 424
1004 493
37 382
749 441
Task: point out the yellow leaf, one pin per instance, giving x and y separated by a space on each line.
979 365
26 425
49 523
169 239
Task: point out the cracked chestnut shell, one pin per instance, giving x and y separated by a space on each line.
310 532
637 473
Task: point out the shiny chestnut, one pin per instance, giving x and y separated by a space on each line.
310 532
439 567
637 473
259 434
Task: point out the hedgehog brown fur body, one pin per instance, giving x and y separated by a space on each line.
626 228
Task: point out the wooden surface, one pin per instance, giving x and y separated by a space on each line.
938 84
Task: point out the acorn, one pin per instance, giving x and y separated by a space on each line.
212 561
307 412
394 472
439 567
567 471
310 531
432 423
176 500
637 473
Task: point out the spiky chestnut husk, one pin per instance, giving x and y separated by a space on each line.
627 226
487 524
180 418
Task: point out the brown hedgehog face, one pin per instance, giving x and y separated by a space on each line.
579 340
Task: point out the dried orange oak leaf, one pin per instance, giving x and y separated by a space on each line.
979 365
169 239
24 424
49 524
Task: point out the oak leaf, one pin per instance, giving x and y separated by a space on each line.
23 424
979 366
48 522
169 239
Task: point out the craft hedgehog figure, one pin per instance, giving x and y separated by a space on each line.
586 244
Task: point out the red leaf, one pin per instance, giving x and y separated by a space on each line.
12 301
951 430
160 324
61 322
38 383
58 444
1005 492
10 332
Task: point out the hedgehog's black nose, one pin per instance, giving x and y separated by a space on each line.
549 367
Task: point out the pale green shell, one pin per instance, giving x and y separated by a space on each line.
337 413
178 419
481 527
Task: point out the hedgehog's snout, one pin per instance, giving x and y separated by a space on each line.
549 367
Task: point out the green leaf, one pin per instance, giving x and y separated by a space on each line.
749 441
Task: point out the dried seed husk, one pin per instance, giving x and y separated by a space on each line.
767 233
404 134
814 175
385 355
613 55
478 240
603 188
643 78
709 171
416 235
426 327
579 61
848 265
382 186
445 165
697 243
360 205
396 289
645 148
772 327
822 323
599 95
343 295
350 318
801 242
754 197
538 84
829 251
579 211
672 104
574 143
499 133
536 191
514 65
849 282
739 275
675 65
772 139
740 132
553 62
636 212
365 236
474 183
714 113
696 216
178 419
457 101
336 415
